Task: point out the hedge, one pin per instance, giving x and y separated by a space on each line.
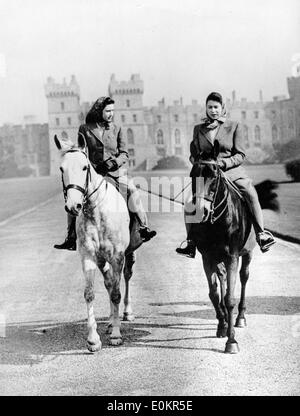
292 169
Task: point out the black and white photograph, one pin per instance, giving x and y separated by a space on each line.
149 209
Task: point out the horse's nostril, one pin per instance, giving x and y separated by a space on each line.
78 206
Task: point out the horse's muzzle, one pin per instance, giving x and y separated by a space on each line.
74 210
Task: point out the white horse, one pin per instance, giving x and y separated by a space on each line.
104 238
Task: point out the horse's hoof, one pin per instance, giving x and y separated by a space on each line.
129 317
232 348
222 332
240 323
116 341
93 347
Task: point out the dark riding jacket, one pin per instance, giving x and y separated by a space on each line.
106 147
232 152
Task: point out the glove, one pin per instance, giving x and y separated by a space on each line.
101 168
111 165
221 164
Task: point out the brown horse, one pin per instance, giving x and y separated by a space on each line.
105 240
223 234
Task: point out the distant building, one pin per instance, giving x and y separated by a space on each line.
26 147
163 130
284 114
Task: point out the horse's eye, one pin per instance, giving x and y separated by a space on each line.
84 168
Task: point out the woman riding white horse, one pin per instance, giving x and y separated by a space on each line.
107 153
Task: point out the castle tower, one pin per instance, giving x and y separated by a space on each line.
63 115
130 114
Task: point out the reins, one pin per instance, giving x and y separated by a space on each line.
214 208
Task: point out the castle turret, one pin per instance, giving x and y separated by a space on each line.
63 114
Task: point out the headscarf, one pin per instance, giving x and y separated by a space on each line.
207 121
95 114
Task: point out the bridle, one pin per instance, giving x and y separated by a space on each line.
213 196
84 190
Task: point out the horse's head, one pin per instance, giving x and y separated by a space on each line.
75 170
207 172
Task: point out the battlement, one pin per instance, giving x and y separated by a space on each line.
294 87
134 86
54 89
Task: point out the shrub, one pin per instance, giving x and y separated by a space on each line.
292 169
170 162
286 151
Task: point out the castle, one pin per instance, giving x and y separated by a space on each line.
151 132
165 130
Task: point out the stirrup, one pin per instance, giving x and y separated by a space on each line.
188 251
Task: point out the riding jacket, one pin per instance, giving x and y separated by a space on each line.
232 153
106 147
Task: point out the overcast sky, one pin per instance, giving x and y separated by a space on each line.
180 47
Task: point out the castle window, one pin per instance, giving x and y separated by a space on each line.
57 121
127 103
244 115
25 143
177 136
257 136
131 152
176 117
290 114
131 163
130 137
62 106
273 112
246 136
195 116
160 137
178 151
64 135
134 118
123 118
256 114
69 121
159 118
274 134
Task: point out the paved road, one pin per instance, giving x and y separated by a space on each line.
171 347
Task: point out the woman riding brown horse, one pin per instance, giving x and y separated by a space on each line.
228 133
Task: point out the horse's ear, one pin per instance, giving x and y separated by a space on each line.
57 142
64 144
81 141
216 149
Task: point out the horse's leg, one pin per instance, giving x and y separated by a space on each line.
93 339
231 268
129 262
210 268
112 277
223 325
244 275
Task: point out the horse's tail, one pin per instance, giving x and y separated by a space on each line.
267 197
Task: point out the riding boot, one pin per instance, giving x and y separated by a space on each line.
189 250
264 238
70 241
135 206
146 233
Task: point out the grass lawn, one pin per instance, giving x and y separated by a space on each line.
19 194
